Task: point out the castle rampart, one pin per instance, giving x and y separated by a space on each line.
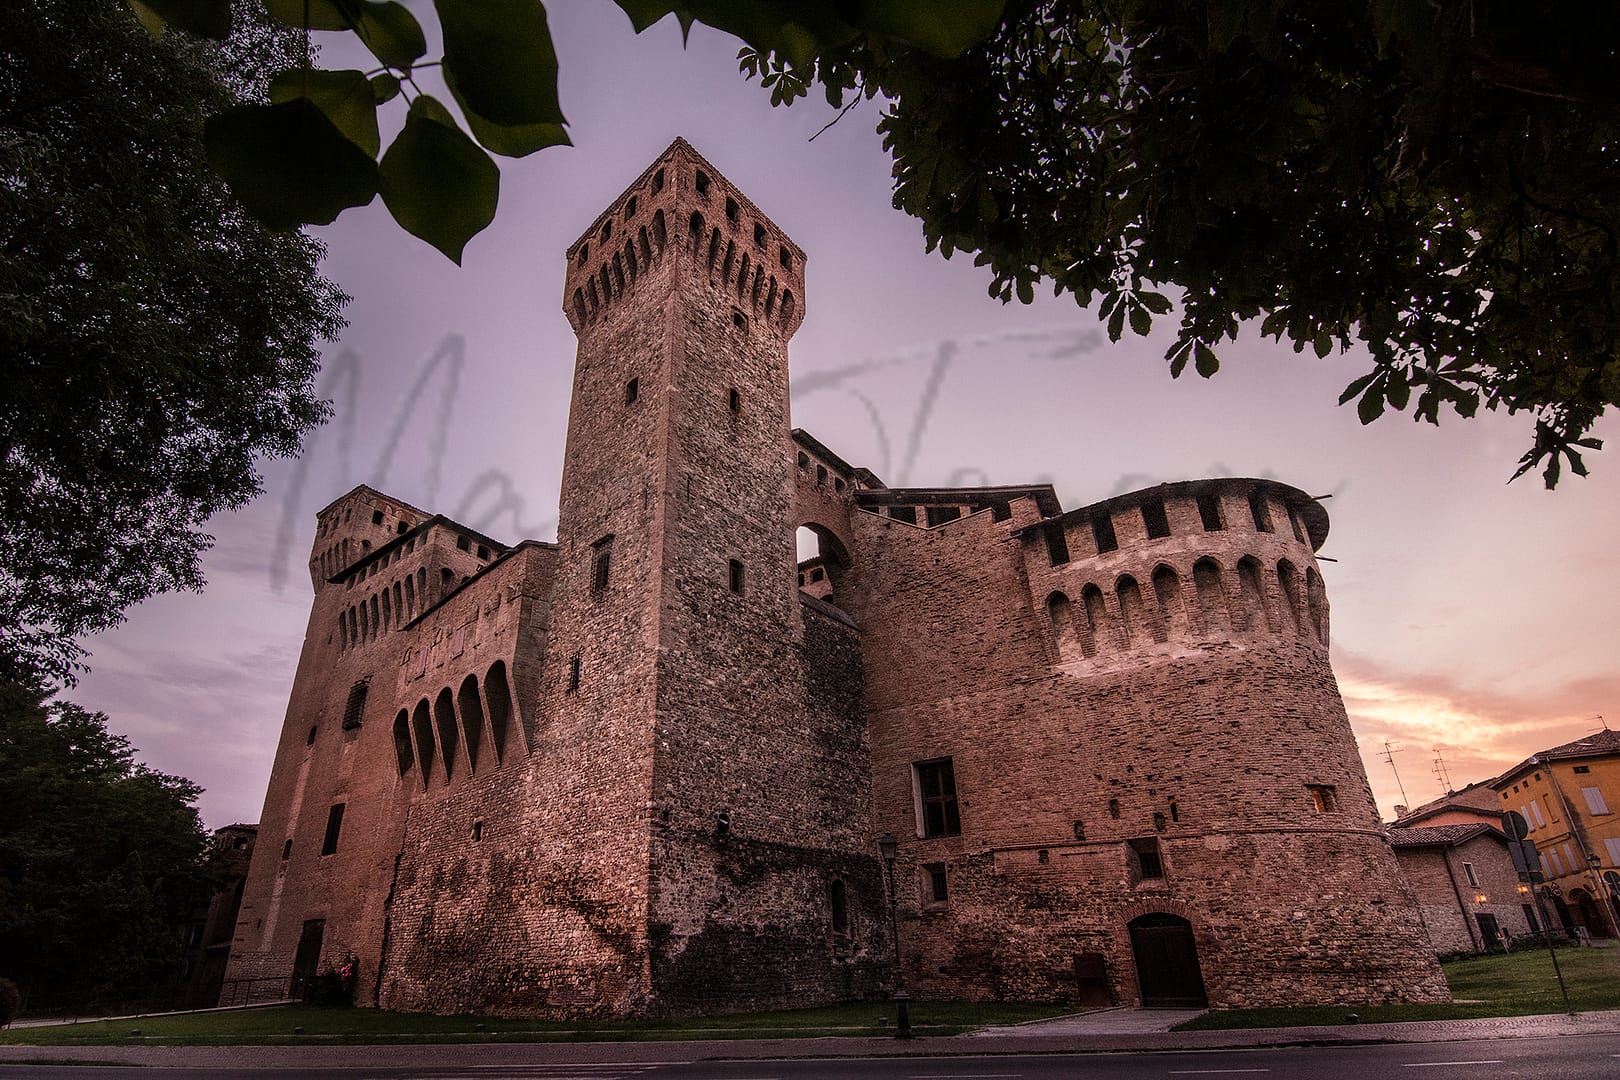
643 770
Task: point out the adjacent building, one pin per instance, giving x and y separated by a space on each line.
1569 796
645 768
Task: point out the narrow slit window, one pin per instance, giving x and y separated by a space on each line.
936 797
334 826
1259 511
1324 797
736 576
601 564
355 707
632 390
1057 545
574 666
735 400
1209 511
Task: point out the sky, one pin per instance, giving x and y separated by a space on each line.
1473 620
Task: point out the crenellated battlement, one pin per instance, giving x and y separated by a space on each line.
682 199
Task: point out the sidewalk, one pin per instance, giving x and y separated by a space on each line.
1063 1035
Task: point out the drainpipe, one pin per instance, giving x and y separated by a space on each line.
1462 905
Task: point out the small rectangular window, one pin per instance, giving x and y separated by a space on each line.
1155 518
601 564
463 543
939 515
355 707
334 825
286 849
904 513
1102 530
736 576
1468 872
376 517
632 390
736 401
1324 796
1148 863
1209 511
1583 769
1057 544
938 884
936 797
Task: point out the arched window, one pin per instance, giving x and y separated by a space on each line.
742 277
472 719
658 233
499 693
410 596
1097 625
1316 602
630 260
343 631
770 298
1172 620
1212 608
1133 621
1259 510
444 718
422 722
694 226
1060 617
402 742
1288 579
730 260
1253 612
387 609
787 306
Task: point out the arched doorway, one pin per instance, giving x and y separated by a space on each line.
823 561
1167 971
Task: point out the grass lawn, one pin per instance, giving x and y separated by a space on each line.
1516 984
275 1026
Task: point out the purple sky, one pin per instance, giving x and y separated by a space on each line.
1468 615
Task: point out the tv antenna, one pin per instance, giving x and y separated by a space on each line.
1440 772
1389 756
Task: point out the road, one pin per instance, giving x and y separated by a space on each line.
1574 1057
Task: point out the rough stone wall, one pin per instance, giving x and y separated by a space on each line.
1205 742
1448 901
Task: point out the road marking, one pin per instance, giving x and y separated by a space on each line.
1213 1072
1432 1064
957 1076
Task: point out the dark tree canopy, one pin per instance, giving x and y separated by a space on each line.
1439 181
154 339
103 861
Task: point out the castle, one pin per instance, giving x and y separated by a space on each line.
644 769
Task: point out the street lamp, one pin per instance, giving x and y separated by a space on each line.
887 847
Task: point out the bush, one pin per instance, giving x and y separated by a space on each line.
335 986
10 999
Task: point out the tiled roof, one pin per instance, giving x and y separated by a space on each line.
1432 835
1593 745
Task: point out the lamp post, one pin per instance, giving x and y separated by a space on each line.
887 847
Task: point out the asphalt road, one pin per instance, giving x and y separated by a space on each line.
1576 1057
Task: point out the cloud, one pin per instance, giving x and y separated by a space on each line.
1476 733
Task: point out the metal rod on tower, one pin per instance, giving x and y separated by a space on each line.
1440 772
1389 756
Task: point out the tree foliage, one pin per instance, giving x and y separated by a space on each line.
313 152
1439 181
154 338
103 861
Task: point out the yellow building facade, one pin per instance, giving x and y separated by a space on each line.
1569 795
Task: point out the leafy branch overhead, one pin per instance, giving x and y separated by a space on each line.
1439 181
313 151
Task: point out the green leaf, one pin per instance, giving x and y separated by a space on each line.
1398 392
436 181
1322 343
206 18
1157 303
501 56
391 33
151 20
1116 323
384 88
346 97
1371 405
1358 386
517 140
1026 291
308 14
1178 354
945 28
288 163
644 13
1141 320
1205 362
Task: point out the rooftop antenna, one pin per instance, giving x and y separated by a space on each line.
1440 772
1389 756
1599 718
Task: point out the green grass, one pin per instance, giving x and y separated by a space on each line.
1517 984
275 1026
